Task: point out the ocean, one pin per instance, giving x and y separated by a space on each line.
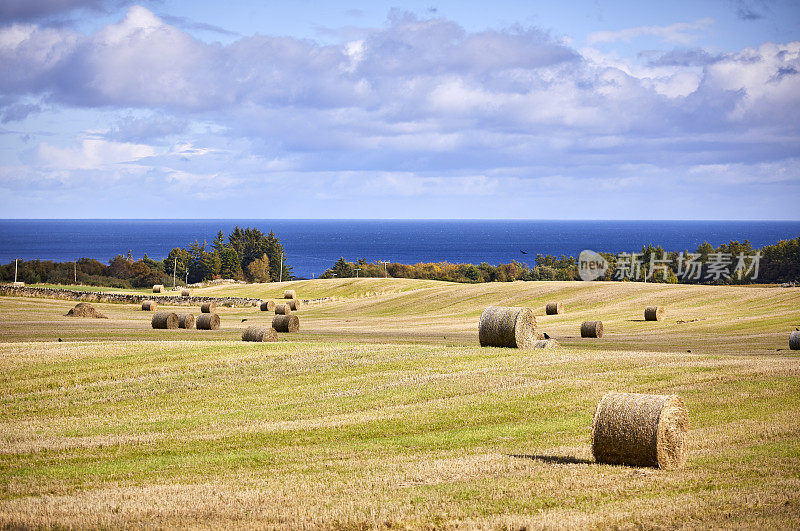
313 245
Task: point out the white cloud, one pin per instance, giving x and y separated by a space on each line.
91 154
681 32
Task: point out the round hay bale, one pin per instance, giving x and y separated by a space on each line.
502 326
186 293
208 307
294 304
640 430
592 329
259 334
158 288
267 306
289 294
653 313
554 308
84 309
283 309
186 320
149 306
165 320
794 340
286 323
207 321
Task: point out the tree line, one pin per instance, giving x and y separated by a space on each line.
245 254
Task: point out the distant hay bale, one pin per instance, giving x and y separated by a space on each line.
640 430
208 307
83 309
554 308
283 309
592 329
267 306
294 304
289 294
502 326
207 321
149 306
259 334
165 320
286 323
18 284
158 288
653 313
185 320
185 293
794 340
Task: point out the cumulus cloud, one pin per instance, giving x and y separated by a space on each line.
681 32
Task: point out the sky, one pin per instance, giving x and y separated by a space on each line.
428 110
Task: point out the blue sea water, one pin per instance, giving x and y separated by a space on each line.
313 245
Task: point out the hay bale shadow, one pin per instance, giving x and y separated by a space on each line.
636 320
555 459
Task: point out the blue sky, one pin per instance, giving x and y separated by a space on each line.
508 110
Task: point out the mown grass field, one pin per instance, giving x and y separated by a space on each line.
383 411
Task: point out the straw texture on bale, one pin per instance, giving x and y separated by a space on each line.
554 308
158 288
640 430
185 320
83 309
592 329
283 309
207 321
208 307
267 306
653 313
289 294
185 293
794 340
286 323
502 326
259 334
165 320
294 304
149 306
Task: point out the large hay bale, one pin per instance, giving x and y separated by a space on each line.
640 430
207 321
289 294
208 307
794 340
592 329
294 304
653 313
554 308
165 320
84 309
502 326
267 306
149 306
283 309
186 293
158 288
286 323
186 320
259 334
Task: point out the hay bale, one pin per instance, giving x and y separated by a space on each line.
640 430
186 293
794 340
208 307
158 288
294 304
267 306
259 334
207 321
185 320
554 308
164 320
283 309
286 323
149 306
289 294
592 329
653 313
83 309
545 343
502 326
18 284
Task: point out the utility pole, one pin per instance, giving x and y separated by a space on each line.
384 262
356 269
75 270
15 270
187 277
280 279
174 270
